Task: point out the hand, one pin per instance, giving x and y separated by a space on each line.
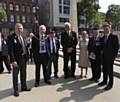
69 50
14 64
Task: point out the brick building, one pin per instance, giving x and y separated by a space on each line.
23 11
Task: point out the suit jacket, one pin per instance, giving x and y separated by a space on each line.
95 46
110 48
57 43
15 48
4 47
36 45
68 41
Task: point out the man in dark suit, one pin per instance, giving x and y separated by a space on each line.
41 54
110 50
18 57
69 42
54 46
94 49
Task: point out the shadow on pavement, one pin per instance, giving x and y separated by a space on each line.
82 90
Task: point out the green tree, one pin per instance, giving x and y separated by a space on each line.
88 9
113 15
2 13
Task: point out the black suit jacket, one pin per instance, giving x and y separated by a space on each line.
36 45
15 48
68 41
110 48
95 46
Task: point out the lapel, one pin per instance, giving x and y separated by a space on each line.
16 40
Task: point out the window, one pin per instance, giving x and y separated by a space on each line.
60 9
17 8
18 19
60 1
28 9
0 5
11 7
66 2
23 8
63 20
11 18
66 10
28 19
23 19
34 9
4 5
5 18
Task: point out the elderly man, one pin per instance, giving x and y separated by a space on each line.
69 42
41 55
18 57
110 50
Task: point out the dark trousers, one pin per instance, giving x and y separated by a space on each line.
1 63
96 68
41 59
108 71
7 63
54 59
67 57
22 68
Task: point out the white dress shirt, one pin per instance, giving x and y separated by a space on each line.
0 42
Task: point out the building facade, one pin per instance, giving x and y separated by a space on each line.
22 11
54 12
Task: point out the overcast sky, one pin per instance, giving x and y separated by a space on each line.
105 3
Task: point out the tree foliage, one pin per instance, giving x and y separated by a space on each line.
89 9
113 15
2 13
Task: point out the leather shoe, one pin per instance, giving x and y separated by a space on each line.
25 89
73 76
36 84
16 93
56 76
108 87
91 79
102 83
96 80
48 82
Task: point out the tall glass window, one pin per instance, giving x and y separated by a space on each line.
11 18
11 7
17 7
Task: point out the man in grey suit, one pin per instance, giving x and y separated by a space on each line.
18 57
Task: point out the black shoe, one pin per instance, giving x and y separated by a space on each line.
56 76
102 83
48 82
91 79
96 80
1 72
108 87
36 84
25 89
73 76
16 93
65 76
9 72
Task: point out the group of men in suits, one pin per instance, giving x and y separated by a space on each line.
45 51
102 52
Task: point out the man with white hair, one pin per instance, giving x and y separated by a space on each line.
18 57
41 54
69 42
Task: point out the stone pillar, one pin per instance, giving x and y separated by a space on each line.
73 15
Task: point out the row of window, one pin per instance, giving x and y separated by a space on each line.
17 18
17 7
65 2
63 20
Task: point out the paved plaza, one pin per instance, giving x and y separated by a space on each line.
61 90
